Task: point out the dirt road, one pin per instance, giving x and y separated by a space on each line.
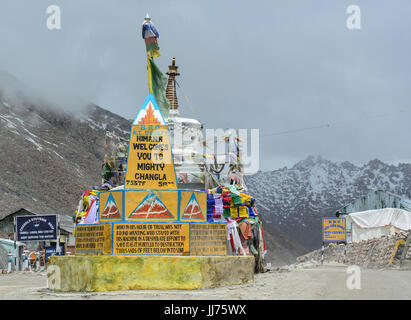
314 282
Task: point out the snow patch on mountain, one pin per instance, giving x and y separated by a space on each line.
295 199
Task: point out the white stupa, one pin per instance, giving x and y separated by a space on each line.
187 140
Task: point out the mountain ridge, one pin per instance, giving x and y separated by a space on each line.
295 199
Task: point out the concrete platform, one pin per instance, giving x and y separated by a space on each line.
115 273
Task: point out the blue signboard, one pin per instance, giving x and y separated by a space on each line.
52 251
36 228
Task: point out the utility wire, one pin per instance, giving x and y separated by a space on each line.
329 125
185 97
333 124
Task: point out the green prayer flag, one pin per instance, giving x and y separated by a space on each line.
158 86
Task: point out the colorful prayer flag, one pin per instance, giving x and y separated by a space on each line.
157 82
150 35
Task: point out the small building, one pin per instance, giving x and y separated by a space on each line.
16 249
66 226
376 214
371 224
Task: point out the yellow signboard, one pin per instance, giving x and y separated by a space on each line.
151 238
93 239
208 239
150 161
334 229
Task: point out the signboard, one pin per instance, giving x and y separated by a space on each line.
150 164
150 160
52 251
151 238
208 239
36 228
93 239
334 229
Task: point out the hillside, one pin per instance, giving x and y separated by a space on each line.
281 249
49 157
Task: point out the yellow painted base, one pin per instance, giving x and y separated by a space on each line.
113 273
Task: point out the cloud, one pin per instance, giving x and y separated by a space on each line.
276 66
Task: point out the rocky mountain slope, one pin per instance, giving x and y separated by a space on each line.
294 199
281 249
49 157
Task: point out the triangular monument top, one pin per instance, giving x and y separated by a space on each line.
150 162
150 113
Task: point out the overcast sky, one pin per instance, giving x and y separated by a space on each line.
272 65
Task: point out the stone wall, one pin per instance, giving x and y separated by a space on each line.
380 252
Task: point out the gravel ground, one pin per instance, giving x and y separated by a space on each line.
302 282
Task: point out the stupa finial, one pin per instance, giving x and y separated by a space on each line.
171 93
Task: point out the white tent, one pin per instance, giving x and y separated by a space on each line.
370 224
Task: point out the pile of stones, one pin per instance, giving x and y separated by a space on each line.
386 251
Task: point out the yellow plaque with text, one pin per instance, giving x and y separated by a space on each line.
151 238
150 161
93 240
208 239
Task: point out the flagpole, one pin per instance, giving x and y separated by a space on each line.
157 81
149 75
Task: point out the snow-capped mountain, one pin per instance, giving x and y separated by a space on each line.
294 199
